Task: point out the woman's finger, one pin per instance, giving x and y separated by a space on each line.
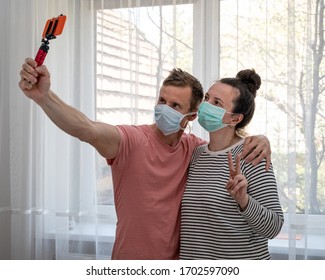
238 168
232 169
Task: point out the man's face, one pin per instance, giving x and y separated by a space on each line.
178 98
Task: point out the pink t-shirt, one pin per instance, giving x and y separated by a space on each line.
149 179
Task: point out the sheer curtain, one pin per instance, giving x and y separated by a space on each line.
47 178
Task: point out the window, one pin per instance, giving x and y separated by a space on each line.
136 47
284 44
257 35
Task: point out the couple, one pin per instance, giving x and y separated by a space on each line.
150 162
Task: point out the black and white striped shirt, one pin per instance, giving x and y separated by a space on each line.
212 225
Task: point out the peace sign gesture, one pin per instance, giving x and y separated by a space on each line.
237 183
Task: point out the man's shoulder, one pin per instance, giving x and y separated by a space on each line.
125 128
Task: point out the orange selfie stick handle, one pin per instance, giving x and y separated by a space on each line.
53 28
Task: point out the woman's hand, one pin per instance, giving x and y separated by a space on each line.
237 183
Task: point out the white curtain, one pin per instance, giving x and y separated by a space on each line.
56 193
47 178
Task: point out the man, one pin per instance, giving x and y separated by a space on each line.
149 162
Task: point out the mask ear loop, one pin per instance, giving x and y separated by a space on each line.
188 128
229 124
188 123
183 128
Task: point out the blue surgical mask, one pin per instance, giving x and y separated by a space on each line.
168 120
210 117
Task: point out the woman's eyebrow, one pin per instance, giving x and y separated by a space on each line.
219 100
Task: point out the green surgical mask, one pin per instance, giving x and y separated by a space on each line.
210 117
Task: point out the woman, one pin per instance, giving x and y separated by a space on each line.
228 212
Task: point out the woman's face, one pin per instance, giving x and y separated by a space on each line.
222 95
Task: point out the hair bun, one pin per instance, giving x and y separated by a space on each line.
251 79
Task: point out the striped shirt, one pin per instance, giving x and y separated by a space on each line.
212 224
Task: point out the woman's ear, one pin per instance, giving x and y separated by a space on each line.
236 119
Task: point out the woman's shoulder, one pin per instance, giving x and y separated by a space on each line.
198 151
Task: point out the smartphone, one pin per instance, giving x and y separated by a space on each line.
53 27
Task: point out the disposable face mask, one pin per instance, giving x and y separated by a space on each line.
210 117
168 120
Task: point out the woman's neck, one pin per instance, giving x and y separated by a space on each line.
223 139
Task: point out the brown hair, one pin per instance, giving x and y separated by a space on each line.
180 78
247 82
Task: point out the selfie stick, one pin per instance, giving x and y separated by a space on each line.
53 28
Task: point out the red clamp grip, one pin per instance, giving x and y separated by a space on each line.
40 56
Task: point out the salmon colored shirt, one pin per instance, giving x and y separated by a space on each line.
149 179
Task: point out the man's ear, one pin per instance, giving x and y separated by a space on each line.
192 117
187 119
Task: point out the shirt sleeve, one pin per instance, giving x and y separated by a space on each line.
130 138
264 212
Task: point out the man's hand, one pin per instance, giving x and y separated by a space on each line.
255 149
35 81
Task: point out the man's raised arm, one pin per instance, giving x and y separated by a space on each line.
35 83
